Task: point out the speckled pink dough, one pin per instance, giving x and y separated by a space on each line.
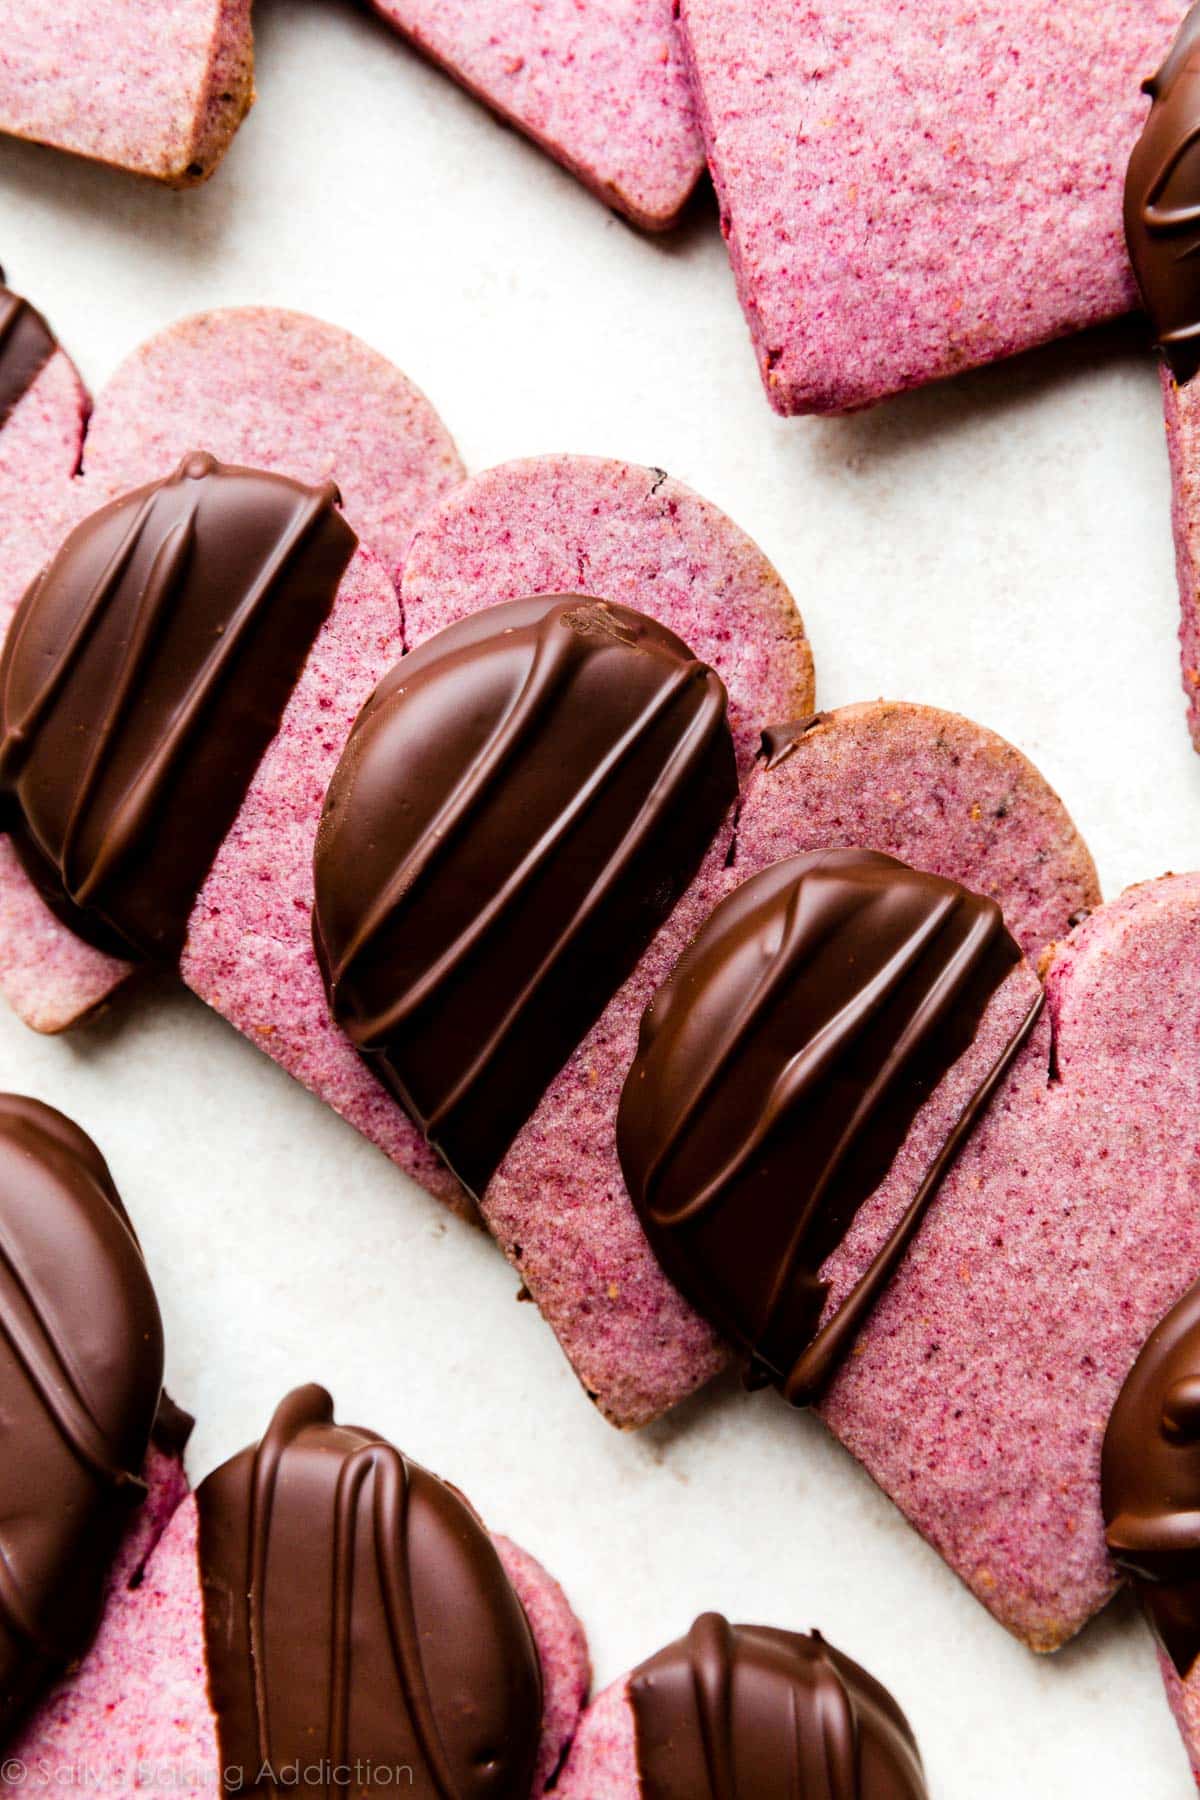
913 189
558 1205
582 524
562 1651
601 86
603 1760
140 1699
71 1724
159 89
1181 407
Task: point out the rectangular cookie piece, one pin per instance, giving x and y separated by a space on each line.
915 189
159 90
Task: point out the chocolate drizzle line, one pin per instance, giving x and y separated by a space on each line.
520 805
357 1617
146 672
1150 1480
780 742
80 1380
26 346
740 1712
1162 203
778 1074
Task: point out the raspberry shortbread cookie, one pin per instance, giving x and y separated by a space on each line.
742 1711
159 90
919 189
323 1605
91 1469
601 85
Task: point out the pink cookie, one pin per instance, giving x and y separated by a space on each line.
778 1712
144 1699
601 87
913 190
47 975
53 1727
978 1393
158 90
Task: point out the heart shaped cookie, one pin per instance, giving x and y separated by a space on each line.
744 1710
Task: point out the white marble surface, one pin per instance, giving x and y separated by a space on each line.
999 546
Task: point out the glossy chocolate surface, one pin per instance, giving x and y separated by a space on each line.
143 677
744 1712
26 346
519 807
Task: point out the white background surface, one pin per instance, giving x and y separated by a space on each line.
1000 546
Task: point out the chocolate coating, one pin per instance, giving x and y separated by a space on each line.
778 1073
743 1712
519 807
1150 1479
357 1617
1162 203
80 1376
144 675
26 346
